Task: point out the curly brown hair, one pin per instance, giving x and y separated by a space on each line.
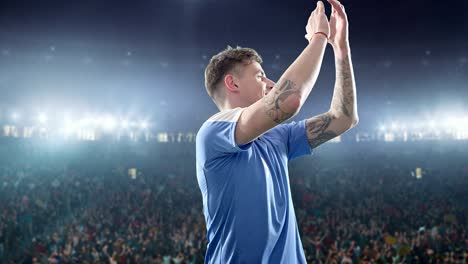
226 61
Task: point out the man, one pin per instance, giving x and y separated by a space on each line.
243 151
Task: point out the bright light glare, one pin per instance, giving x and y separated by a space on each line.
42 118
124 124
68 126
465 123
109 123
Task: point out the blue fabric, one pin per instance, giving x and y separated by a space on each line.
247 202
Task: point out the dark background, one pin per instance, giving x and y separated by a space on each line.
146 58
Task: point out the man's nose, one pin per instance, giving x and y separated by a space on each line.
270 83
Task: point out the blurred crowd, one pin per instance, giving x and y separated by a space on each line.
373 205
363 203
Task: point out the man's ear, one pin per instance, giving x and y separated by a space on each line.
230 83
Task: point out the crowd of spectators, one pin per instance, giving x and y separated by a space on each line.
370 204
362 203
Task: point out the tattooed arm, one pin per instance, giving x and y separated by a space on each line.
286 97
343 111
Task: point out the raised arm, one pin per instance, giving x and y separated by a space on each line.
343 110
292 89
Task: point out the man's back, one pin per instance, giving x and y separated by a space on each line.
246 196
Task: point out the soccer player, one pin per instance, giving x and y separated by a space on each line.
243 151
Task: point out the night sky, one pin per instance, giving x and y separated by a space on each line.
148 57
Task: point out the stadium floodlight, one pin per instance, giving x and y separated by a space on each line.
42 118
68 126
144 125
395 126
124 124
451 123
382 128
464 125
109 123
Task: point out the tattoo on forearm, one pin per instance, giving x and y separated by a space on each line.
317 132
343 97
275 104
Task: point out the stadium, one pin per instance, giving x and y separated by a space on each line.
101 103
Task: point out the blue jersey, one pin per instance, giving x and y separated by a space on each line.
247 202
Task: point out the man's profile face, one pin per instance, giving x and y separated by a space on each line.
253 83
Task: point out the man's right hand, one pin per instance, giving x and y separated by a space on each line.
318 22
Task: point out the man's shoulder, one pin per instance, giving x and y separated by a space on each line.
226 116
230 115
216 135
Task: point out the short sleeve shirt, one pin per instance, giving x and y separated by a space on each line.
247 202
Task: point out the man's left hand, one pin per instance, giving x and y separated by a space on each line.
338 26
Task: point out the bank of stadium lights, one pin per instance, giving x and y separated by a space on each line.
109 123
453 122
143 125
412 126
446 127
